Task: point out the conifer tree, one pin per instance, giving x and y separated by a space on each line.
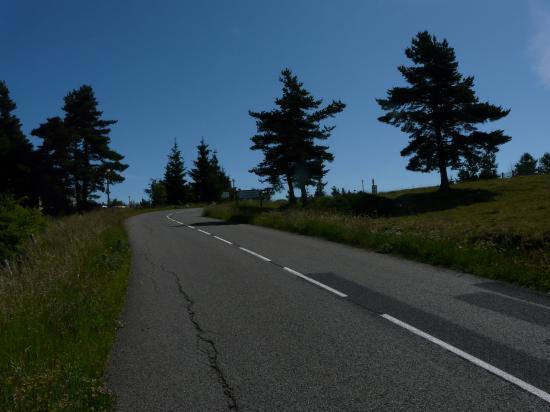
439 111
202 174
288 137
56 166
94 160
320 188
488 166
16 152
526 166
480 167
174 177
222 180
544 164
156 192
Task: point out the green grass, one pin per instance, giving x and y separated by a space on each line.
499 229
58 314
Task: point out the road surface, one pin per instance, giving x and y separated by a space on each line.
226 316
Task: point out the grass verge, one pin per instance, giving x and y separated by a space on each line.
58 313
504 235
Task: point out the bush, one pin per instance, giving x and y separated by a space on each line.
17 224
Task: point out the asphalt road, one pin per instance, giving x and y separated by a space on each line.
225 316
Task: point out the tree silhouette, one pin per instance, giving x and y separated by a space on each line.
94 160
156 192
55 167
222 180
439 111
544 164
526 166
209 178
287 137
480 167
174 177
16 152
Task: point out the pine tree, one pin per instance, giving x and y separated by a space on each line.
95 163
174 177
320 188
156 192
56 166
488 166
526 166
288 136
439 111
202 174
222 180
544 164
480 167
469 170
16 152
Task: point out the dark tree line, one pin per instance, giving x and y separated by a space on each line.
72 163
208 179
528 165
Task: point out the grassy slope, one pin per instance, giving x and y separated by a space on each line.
58 312
498 229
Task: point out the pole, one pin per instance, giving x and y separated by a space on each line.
362 185
108 191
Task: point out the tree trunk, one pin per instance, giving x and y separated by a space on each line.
442 162
291 196
303 192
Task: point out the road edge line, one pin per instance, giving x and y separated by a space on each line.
472 359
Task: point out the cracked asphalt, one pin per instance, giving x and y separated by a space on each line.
207 326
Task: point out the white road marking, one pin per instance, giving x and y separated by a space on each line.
204 231
255 254
223 240
336 292
191 227
174 220
476 361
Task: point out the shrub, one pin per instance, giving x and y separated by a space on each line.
17 224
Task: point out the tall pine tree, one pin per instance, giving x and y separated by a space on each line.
56 166
222 180
209 178
95 163
202 174
439 111
16 152
288 137
174 177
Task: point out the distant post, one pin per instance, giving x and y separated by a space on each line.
108 191
374 188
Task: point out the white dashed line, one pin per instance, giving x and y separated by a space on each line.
336 292
255 254
173 220
476 361
204 231
191 227
223 240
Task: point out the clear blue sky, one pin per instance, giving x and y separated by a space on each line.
188 69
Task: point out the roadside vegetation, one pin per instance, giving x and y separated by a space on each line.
498 228
59 303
